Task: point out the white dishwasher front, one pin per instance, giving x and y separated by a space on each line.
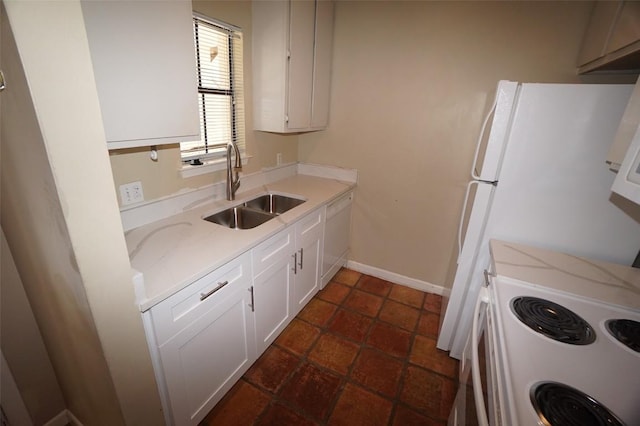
336 236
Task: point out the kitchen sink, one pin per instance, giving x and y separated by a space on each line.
273 203
254 212
240 217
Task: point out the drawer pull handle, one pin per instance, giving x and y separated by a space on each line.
252 305
301 261
209 293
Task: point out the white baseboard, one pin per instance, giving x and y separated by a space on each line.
64 418
73 419
397 278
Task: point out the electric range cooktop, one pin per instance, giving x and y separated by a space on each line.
569 337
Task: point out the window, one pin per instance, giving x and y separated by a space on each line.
220 90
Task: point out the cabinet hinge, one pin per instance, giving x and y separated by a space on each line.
288 54
286 118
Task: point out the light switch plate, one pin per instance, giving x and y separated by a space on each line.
131 193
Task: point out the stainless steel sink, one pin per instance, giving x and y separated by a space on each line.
240 217
273 203
254 212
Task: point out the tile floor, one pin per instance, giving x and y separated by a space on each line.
362 352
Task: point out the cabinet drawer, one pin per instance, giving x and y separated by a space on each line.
275 248
175 313
312 225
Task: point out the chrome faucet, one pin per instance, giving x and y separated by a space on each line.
233 183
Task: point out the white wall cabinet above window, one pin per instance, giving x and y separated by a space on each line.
292 50
145 70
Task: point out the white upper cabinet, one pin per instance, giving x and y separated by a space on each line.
292 50
627 129
144 65
612 39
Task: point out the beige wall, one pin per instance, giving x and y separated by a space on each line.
411 81
161 178
61 221
23 347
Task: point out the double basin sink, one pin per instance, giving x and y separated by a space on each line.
254 212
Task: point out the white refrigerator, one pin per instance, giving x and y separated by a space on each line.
540 178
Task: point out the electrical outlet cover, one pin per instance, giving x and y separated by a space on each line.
131 193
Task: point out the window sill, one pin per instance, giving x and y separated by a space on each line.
209 166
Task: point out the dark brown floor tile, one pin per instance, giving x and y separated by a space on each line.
298 336
347 276
279 415
350 328
390 339
400 315
312 390
449 391
432 303
272 368
364 303
350 324
407 417
374 285
427 392
428 324
377 371
334 292
407 295
358 406
425 354
240 406
318 312
334 353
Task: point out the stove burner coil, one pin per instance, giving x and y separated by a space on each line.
626 332
553 320
558 404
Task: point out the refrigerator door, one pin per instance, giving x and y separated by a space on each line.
554 189
469 275
489 152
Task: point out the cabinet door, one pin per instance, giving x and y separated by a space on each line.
627 28
322 64
308 259
203 361
144 65
272 289
301 39
272 286
594 44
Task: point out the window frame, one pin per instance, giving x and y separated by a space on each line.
213 152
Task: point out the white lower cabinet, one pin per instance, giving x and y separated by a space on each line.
309 231
205 337
203 361
205 340
273 283
286 271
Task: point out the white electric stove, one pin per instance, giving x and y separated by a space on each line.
565 339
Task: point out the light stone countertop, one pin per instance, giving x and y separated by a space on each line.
174 252
608 282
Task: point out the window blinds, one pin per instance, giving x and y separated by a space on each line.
220 89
